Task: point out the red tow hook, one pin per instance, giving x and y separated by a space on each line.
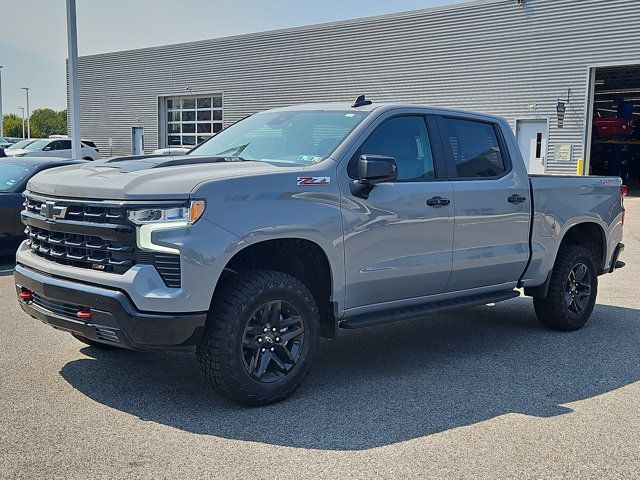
84 314
25 295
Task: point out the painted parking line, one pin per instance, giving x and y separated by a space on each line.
6 271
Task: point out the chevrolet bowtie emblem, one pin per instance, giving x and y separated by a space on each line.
52 212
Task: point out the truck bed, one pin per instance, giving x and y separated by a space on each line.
562 201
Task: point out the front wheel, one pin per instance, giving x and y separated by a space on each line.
572 291
261 335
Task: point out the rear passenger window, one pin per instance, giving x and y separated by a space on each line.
473 147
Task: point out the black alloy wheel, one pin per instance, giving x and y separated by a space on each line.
578 289
272 341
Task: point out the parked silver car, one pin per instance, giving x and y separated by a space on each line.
57 147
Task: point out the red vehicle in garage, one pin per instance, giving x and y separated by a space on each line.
613 127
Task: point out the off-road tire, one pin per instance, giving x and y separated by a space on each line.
221 352
552 311
93 343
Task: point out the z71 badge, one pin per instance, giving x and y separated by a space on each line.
314 180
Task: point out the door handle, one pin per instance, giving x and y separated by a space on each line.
438 202
515 198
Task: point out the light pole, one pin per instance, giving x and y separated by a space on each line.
26 89
74 102
1 116
22 108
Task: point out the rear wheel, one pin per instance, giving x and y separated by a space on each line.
261 335
572 291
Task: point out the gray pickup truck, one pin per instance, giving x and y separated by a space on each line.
298 221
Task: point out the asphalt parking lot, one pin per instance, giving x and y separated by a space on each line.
478 393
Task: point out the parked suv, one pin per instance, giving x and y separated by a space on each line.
60 148
295 222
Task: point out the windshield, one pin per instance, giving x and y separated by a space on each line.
11 174
20 144
37 145
291 137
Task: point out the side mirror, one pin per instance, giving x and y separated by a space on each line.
46 149
373 169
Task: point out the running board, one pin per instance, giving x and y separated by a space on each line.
389 316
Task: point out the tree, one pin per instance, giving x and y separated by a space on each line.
12 125
46 122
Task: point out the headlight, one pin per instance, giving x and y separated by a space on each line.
150 220
185 215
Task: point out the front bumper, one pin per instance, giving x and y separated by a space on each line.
113 318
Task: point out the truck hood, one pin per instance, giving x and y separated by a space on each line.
142 178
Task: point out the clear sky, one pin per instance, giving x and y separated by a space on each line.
33 38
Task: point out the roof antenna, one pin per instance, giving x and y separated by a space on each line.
361 101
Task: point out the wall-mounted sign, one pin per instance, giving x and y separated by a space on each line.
564 152
561 108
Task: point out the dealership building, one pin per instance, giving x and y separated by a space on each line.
565 73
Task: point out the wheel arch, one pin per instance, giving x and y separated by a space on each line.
299 257
592 236
585 233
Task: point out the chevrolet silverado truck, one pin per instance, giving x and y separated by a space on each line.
295 222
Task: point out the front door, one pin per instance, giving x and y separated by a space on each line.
532 140
137 140
63 149
397 244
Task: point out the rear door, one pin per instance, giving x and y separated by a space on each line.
398 240
491 203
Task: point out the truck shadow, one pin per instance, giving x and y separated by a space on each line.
388 384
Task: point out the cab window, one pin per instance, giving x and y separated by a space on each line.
472 147
407 140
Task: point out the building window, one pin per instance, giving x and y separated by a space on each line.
191 120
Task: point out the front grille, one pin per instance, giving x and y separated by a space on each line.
81 212
91 235
59 308
84 251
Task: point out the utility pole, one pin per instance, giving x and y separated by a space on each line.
22 108
1 116
74 107
26 89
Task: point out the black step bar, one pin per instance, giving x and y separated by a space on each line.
407 313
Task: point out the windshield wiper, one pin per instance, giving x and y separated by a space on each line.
234 151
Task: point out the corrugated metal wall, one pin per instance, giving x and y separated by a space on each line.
491 56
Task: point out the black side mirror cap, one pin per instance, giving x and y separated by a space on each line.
373 169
